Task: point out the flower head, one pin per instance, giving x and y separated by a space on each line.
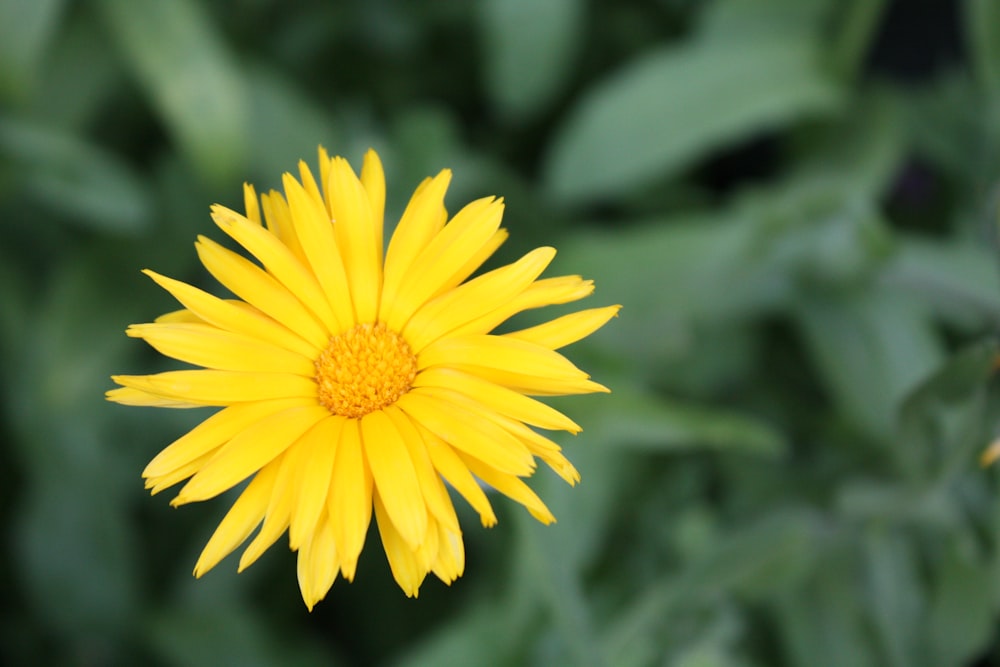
351 382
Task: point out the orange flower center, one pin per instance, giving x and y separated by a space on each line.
364 369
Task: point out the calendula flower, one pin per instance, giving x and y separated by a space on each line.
350 382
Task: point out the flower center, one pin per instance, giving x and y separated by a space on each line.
363 370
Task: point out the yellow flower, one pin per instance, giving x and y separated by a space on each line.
351 382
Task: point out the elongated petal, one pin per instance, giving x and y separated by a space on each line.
451 467
512 487
254 286
373 178
249 451
129 396
214 432
211 347
421 221
279 262
317 564
320 445
433 490
245 515
354 229
279 507
251 204
484 440
546 292
211 387
314 229
158 483
350 500
405 568
279 219
450 562
474 299
395 477
231 317
504 401
567 329
497 352
448 251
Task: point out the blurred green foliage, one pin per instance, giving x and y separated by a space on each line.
794 200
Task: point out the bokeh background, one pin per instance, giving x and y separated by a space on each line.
794 200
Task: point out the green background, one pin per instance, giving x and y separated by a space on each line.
795 201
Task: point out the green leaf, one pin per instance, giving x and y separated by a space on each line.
640 421
287 126
669 109
529 47
943 421
895 598
960 280
982 23
190 76
26 31
960 619
227 635
871 347
89 186
759 559
821 623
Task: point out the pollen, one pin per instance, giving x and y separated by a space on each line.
364 369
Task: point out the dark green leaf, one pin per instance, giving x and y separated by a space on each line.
26 31
192 79
529 49
669 109
86 184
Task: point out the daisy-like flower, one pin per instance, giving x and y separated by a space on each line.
352 382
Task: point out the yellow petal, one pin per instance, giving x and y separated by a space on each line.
421 221
484 440
446 254
250 204
395 477
451 467
279 507
211 347
405 568
253 285
512 487
158 483
450 562
498 398
214 432
231 317
354 229
313 227
320 445
497 352
317 564
279 261
547 292
245 515
249 451
373 178
474 299
350 499
179 317
280 222
567 329
129 396
309 183
210 387
434 492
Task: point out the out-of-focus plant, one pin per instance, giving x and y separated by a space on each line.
795 202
